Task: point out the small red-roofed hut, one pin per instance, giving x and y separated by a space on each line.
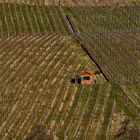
86 77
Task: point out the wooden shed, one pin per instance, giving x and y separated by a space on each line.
86 77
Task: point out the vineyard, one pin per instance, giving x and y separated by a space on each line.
44 46
105 18
29 63
75 2
118 54
17 19
31 2
30 96
98 2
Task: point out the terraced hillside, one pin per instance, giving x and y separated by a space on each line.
75 2
105 18
44 47
35 81
118 54
98 2
17 19
38 100
32 2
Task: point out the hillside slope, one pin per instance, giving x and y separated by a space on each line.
40 57
37 97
